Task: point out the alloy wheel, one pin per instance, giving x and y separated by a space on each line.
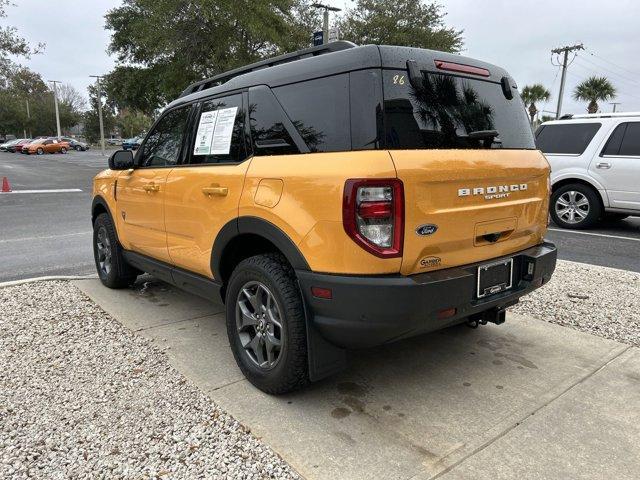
103 245
572 207
259 325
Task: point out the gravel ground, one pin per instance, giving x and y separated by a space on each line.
83 397
598 300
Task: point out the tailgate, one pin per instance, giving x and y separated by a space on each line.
483 203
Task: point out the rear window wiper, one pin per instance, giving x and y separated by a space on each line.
489 137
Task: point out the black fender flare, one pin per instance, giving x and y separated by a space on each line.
262 228
99 200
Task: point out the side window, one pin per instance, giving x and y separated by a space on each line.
162 146
631 142
268 132
569 139
367 127
220 132
613 144
319 109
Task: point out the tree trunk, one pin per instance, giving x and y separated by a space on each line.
532 112
593 107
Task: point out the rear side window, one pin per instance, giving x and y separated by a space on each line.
220 132
445 109
266 120
613 144
319 109
569 139
631 142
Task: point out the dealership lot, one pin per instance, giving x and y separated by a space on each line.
50 233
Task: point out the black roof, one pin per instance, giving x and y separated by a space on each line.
326 60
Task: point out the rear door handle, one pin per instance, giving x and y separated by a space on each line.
219 191
604 165
152 187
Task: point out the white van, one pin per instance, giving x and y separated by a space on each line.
595 167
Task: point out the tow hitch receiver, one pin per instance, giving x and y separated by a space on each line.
493 315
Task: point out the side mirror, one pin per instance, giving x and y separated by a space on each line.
121 160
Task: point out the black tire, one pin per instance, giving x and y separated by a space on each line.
63 150
290 371
615 217
78 148
586 206
120 274
40 151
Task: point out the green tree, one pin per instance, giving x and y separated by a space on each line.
411 23
133 122
173 43
532 94
92 121
593 90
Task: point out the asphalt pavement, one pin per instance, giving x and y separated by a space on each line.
50 233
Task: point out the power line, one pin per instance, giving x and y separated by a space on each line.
584 59
591 52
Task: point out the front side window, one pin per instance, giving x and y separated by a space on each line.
447 111
319 110
568 139
163 145
220 132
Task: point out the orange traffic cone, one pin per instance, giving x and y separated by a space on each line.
6 187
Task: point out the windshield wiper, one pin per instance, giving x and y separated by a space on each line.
488 137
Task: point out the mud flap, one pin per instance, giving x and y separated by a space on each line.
325 358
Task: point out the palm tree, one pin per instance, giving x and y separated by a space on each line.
532 94
593 90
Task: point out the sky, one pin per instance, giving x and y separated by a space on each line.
516 35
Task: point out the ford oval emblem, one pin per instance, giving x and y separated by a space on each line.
428 229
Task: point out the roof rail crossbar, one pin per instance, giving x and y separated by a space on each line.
269 62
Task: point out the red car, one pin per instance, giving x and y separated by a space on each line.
18 146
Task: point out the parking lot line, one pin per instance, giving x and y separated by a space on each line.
595 234
56 190
28 239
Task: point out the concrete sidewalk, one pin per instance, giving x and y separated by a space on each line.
527 399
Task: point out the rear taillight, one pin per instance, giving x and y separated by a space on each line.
373 215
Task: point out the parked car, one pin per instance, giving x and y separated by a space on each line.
595 167
17 147
334 212
7 138
45 145
4 147
114 141
132 143
75 144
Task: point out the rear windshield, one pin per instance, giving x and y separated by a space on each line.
446 109
569 139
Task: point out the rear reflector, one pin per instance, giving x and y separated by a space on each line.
446 313
319 292
462 68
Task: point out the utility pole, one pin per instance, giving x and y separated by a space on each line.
565 51
615 104
98 77
28 120
55 101
325 23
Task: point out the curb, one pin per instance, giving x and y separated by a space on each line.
46 279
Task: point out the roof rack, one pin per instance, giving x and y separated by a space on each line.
269 62
599 115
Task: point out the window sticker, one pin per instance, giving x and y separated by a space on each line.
204 136
215 131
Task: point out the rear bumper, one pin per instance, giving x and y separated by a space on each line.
371 310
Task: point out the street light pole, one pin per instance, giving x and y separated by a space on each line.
98 77
55 101
325 22
28 119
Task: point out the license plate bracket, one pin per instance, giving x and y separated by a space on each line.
494 277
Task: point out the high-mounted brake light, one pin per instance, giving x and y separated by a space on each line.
462 68
373 215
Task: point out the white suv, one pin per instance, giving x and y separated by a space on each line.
595 167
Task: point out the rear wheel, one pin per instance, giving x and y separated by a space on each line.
575 206
266 324
113 270
78 148
63 150
40 151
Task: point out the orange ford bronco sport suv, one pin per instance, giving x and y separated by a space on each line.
338 197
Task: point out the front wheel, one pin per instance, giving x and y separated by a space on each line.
113 270
40 151
266 324
63 150
575 206
78 148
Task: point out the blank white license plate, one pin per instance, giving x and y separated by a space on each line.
495 277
